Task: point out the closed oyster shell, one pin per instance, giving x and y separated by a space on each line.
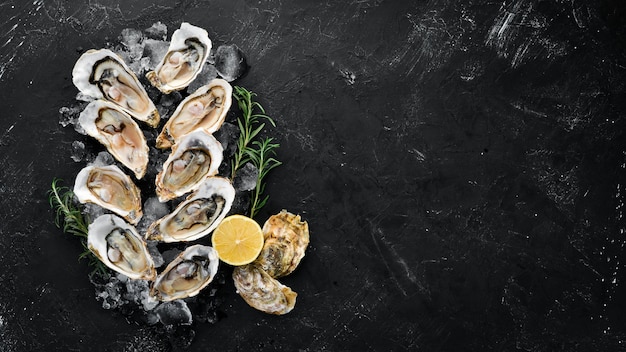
102 74
118 245
110 188
118 132
205 109
198 215
187 274
286 239
195 157
263 292
188 51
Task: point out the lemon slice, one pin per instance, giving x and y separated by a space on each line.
238 240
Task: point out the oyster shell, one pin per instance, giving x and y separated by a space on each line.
205 109
286 239
102 74
118 245
261 291
185 58
110 188
195 157
198 215
187 274
118 132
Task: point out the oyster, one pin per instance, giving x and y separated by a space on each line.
119 246
185 58
261 291
102 74
205 109
195 157
110 188
286 239
118 132
187 274
198 215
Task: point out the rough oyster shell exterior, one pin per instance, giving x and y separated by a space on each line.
263 292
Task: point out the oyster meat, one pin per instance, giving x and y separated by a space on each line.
110 188
184 60
118 245
118 132
205 109
198 215
187 274
195 157
102 74
261 291
286 239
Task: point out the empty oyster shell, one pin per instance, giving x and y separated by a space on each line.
110 188
185 58
119 246
198 215
118 132
286 239
187 274
102 74
263 292
205 109
195 157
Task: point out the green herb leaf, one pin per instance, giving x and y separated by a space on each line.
70 219
259 153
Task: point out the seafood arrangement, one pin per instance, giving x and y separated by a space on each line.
191 170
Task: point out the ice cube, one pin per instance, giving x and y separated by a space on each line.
174 313
78 151
230 62
69 115
103 159
205 76
228 135
158 30
155 51
152 211
157 258
132 39
246 177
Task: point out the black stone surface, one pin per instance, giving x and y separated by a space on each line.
461 165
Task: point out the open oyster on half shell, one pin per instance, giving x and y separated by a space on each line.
261 291
118 132
118 245
110 188
195 157
187 274
205 109
188 51
102 74
198 215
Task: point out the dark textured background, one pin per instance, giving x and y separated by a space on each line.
461 165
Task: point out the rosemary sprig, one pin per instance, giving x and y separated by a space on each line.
259 153
249 125
261 157
70 219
